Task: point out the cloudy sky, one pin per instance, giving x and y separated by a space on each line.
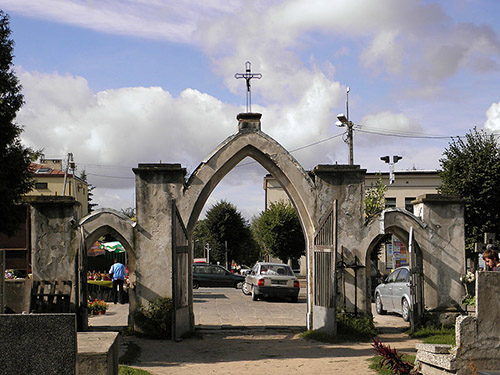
119 83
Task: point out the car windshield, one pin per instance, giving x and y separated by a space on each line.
275 269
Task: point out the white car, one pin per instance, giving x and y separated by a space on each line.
394 293
271 280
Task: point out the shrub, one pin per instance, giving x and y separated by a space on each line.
360 326
391 360
155 320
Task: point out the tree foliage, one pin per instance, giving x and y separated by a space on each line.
223 225
471 170
375 198
278 231
90 188
15 159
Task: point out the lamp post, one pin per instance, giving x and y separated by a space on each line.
387 159
343 120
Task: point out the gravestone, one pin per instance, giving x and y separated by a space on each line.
38 344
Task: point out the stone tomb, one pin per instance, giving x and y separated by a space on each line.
477 337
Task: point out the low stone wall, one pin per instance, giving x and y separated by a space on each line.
38 344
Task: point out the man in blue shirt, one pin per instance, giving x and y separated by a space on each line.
118 272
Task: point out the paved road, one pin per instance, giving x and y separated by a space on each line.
248 344
228 307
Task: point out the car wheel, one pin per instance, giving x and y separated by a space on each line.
378 304
406 310
238 285
295 299
196 284
255 296
245 288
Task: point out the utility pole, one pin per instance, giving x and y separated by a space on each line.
344 121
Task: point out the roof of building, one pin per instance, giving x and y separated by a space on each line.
40 169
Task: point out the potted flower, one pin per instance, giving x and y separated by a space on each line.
97 307
469 282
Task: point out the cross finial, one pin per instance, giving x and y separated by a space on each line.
248 75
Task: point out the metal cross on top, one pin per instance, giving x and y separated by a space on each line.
248 75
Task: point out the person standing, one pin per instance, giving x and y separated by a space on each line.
117 271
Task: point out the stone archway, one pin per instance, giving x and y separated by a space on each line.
329 200
162 190
438 239
114 223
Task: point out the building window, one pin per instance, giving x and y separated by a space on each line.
41 185
408 205
390 202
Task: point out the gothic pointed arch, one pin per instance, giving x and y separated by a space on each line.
108 221
267 152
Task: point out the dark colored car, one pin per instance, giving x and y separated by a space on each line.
212 275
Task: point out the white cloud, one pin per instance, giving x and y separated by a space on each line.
492 123
120 127
403 38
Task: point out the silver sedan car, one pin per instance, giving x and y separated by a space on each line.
271 280
394 293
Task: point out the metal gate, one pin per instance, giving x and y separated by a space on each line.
324 266
181 268
415 285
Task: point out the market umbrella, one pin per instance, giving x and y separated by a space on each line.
95 250
113 247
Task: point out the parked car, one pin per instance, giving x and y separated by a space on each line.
271 280
244 270
212 275
394 293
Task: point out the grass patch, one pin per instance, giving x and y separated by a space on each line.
435 335
375 364
125 370
131 355
349 329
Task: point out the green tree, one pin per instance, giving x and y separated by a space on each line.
90 205
278 231
226 226
375 198
15 159
471 170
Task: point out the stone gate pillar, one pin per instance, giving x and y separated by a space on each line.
54 241
444 258
156 186
343 184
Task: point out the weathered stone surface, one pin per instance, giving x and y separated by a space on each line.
426 369
434 348
98 353
443 361
35 344
488 304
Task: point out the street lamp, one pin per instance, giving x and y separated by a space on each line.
344 121
387 159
